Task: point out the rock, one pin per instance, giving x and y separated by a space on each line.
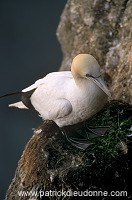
51 168
102 28
37 162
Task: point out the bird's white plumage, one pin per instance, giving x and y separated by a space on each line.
70 97
18 105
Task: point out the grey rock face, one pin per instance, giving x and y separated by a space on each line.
102 28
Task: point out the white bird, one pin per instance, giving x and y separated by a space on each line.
68 97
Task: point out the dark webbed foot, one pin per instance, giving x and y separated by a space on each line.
80 135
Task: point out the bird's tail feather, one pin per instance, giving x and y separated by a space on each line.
18 105
10 94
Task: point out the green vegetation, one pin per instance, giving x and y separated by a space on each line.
118 139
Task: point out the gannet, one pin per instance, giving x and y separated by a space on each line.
68 97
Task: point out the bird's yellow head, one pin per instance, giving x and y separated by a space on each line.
85 64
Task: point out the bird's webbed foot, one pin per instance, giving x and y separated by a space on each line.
80 135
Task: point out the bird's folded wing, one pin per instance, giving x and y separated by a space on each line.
54 110
63 108
49 78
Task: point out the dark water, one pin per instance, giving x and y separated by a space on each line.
28 51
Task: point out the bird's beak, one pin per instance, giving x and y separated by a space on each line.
100 82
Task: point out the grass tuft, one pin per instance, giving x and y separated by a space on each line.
118 138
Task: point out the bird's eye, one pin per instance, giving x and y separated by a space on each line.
88 75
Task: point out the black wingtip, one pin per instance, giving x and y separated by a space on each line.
10 94
26 99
